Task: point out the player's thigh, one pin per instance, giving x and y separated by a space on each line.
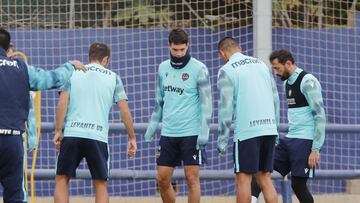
281 158
12 169
243 162
97 158
164 174
299 151
169 152
69 156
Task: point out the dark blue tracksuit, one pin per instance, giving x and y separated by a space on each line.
16 80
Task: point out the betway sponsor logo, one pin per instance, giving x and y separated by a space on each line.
171 88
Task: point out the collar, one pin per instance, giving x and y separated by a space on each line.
235 55
294 75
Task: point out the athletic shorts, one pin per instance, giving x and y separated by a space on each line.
254 155
12 168
74 149
173 150
292 154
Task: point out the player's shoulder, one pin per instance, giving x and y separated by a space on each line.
197 63
164 65
309 77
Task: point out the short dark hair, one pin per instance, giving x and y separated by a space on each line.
4 39
227 43
98 51
282 55
178 36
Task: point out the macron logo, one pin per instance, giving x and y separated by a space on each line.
170 88
4 62
306 170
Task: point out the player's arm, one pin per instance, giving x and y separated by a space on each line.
41 79
61 110
225 108
204 89
31 130
311 89
122 101
157 114
276 100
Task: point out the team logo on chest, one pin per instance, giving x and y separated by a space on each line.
290 92
185 76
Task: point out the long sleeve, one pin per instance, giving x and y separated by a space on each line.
31 130
225 108
41 79
276 101
157 114
204 89
312 92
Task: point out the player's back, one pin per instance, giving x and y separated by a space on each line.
253 98
91 98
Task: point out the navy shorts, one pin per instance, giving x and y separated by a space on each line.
292 154
12 168
74 149
173 150
254 155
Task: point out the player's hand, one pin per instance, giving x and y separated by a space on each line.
314 158
57 139
131 148
78 65
201 142
221 151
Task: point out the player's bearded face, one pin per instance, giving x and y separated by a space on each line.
281 70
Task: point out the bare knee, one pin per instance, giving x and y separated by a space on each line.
192 180
263 179
163 181
100 184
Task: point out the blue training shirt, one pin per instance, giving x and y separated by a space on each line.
183 101
91 97
248 95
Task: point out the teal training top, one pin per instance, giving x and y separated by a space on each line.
183 101
91 97
248 95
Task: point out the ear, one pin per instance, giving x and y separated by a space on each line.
105 61
288 63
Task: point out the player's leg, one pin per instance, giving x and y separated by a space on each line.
192 158
164 175
168 158
12 169
266 163
245 166
301 190
97 158
68 160
101 192
299 153
243 182
255 190
193 183
267 187
61 193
